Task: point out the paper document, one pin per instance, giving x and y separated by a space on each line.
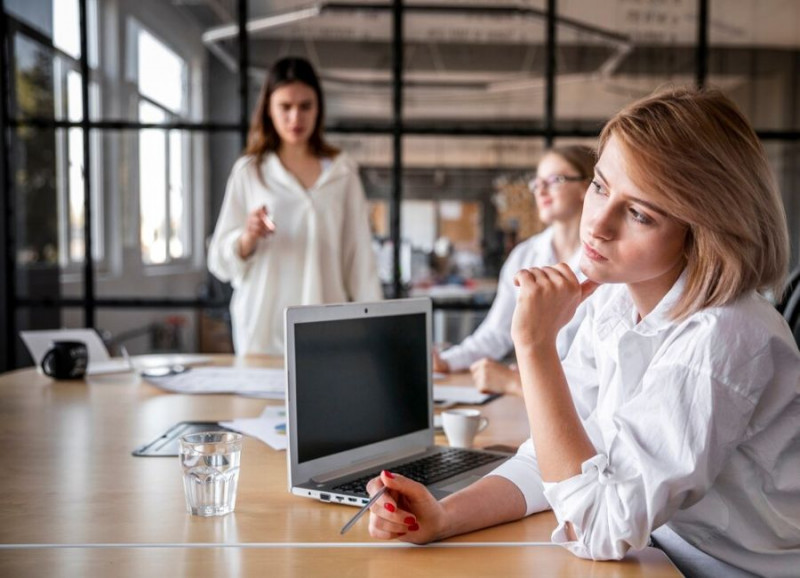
465 394
254 382
269 427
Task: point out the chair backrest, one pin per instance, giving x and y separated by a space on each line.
789 305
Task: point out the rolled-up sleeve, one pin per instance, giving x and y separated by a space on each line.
522 470
666 447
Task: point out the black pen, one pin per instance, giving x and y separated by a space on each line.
363 510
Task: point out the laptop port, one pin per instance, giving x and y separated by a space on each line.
325 497
352 499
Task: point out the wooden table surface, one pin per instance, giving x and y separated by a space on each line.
76 502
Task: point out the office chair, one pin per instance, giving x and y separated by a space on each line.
789 305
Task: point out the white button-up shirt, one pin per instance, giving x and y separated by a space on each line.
696 424
320 252
492 338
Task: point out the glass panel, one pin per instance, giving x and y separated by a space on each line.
474 67
349 47
135 193
162 74
38 14
42 225
754 57
172 53
611 53
144 331
153 187
33 79
67 27
178 231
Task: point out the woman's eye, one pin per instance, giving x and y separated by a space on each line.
640 217
598 188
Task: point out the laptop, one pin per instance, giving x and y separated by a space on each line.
360 400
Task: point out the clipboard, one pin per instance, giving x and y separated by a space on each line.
167 444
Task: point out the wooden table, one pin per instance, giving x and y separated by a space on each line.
76 502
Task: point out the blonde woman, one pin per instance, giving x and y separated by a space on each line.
677 409
562 178
293 228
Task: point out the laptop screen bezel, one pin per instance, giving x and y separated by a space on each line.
302 473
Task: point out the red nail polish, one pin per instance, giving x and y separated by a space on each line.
413 528
389 506
388 474
410 520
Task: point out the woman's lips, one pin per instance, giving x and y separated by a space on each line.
592 254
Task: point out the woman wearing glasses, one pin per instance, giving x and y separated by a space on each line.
562 178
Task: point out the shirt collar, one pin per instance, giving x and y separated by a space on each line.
619 312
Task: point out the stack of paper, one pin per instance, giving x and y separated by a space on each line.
252 382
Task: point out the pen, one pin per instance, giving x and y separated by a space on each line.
363 510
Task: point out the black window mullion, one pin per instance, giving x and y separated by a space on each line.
244 64
397 144
701 54
550 74
88 265
8 296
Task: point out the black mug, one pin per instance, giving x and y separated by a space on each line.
66 360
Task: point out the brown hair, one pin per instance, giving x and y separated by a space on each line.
263 138
580 157
696 152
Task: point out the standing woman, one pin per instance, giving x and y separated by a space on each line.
293 228
562 177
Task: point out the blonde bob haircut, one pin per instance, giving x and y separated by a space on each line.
698 155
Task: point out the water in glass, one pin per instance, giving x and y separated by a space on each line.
210 472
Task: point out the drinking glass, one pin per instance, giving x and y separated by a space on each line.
210 462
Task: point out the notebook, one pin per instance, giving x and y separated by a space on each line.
360 399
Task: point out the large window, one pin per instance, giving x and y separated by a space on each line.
163 97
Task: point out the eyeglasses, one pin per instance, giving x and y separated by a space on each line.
553 181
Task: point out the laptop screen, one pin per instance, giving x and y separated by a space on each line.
360 381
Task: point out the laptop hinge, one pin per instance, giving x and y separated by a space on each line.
370 464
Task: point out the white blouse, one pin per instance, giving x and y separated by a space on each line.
492 338
320 252
696 425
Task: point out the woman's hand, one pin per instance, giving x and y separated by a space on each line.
257 226
547 300
493 377
439 364
407 511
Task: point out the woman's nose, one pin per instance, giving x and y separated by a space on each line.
601 224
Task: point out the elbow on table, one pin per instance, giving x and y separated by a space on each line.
598 545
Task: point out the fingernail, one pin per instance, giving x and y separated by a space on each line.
413 528
410 520
388 474
389 506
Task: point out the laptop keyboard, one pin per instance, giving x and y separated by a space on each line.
428 470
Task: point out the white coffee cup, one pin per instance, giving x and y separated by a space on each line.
462 425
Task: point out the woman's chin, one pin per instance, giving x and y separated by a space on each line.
593 273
